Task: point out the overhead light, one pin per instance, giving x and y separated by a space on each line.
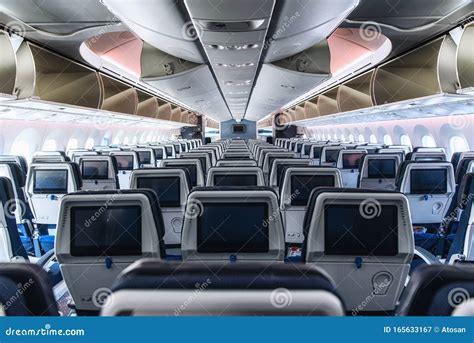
234 47
287 86
238 93
238 120
238 83
235 65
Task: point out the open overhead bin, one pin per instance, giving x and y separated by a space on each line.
327 102
356 93
147 105
47 76
465 58
428 70
7 65
118 96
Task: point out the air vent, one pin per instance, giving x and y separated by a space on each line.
233 47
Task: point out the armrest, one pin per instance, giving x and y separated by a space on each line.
426 256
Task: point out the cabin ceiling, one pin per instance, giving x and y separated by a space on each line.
227 58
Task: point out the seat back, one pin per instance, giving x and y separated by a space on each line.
160 154
170 152
146 157
466 165
379 171
202 156
348 163
364 240
11 247
194 167
172 185
430 187
277 167
127 161
427 156
146 289
315 153
330 154
99 234
26 291
298 182
20 160
232 223
47 184
233 176
211 151
260 158
236 163
436 290
13 172
99 172
270 157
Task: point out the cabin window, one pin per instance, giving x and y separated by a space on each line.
343 138
21 148
89 143
351 137
50 145
105 141
372 139
335 136
361 138
72 144
405 140
125 140
134 140
458 144
428 141
387 140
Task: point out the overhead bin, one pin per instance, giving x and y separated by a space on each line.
327 102
299 112
163 24
175 113
147 105
425 71
285 80
311 108
164 111
118 96
356 93
7 65
264 123
50 77
211 123
465 58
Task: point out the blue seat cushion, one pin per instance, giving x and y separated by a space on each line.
28 245
46 242
426 240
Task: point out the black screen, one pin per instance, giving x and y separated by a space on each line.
298 147
238 128
222 228
351 161
381 168
95 170
168 189
428 181
317 152
429 158
110 231
50 181
191 168
235 180
176 148
144 157
124 162
302 185
169 151
158 153
307 149
331 155
347 231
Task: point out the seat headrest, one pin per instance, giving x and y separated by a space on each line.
76 174
435 290
150 274
7 192
462 168
19 177
466 190
37 298
232 188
